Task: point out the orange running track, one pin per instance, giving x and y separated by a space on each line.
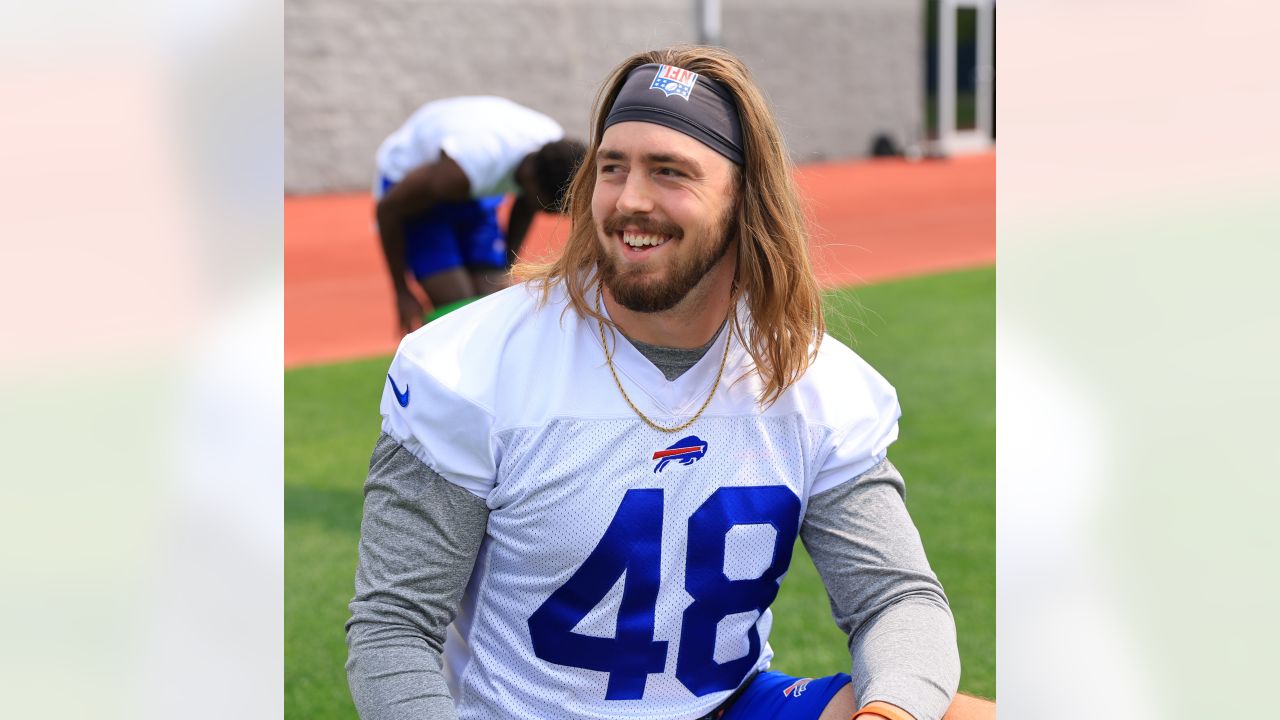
870 221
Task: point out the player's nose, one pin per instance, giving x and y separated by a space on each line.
635 198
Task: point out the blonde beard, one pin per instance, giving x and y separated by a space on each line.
657 296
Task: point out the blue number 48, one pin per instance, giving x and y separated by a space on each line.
632 544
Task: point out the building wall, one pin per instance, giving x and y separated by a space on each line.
836 72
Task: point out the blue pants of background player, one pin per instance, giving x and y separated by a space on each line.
451 235
774 696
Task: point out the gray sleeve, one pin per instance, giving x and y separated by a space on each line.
902 638
418 545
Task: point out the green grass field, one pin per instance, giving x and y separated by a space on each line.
932 337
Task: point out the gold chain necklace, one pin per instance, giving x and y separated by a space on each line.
609 359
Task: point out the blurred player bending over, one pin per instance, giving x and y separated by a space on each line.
575 511
441 177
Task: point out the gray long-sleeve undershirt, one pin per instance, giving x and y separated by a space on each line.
421 534
418 544
902 638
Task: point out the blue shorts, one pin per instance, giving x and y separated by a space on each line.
451 235
774 696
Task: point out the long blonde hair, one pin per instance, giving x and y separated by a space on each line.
774 272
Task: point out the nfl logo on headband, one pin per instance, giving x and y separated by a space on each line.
674 81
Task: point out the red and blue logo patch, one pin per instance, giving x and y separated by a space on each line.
797 687
686 451
672 80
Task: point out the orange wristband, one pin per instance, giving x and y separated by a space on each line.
893 712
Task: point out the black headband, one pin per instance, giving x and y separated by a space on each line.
684 101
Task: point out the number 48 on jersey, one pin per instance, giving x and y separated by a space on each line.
632 544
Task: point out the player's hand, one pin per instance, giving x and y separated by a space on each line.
410 311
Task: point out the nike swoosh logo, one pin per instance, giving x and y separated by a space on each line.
402 398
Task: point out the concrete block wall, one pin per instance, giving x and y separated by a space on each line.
836 72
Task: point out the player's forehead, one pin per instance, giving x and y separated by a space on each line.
647 142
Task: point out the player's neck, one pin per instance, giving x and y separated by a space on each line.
690 324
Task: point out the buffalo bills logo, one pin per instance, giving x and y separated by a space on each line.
797 687
674 81
687 451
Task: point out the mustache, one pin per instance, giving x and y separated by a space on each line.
644 223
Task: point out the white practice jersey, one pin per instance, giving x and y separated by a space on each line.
486 136
626 572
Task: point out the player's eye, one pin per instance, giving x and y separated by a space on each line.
610 168
669 172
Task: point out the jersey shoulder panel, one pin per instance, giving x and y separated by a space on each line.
440 394
852 405
456 383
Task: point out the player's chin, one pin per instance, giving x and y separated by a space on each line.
644 296
634 282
